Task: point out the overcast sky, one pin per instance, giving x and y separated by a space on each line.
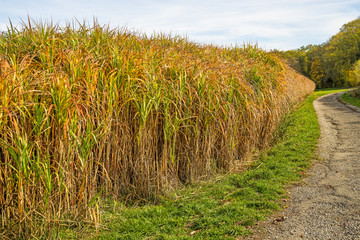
273 24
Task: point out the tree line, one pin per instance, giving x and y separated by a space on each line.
334 63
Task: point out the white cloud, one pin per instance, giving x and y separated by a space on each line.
280 24
3 26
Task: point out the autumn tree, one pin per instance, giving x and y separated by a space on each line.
334 63
316 72
354 74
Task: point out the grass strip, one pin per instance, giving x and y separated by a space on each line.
346 97
225 207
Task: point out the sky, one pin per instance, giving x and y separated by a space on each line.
272 24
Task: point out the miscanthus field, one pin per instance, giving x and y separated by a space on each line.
88 112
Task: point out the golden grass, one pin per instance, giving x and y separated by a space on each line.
89 111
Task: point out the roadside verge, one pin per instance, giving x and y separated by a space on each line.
226 207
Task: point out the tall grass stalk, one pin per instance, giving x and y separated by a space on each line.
88 110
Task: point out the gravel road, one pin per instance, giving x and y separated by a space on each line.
326 205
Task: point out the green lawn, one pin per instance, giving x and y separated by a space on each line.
346 97
226 206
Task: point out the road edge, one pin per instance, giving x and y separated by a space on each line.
352 107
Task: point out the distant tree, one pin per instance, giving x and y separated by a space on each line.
341 53
354 74
316 73
334 63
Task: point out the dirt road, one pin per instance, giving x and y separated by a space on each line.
327 205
